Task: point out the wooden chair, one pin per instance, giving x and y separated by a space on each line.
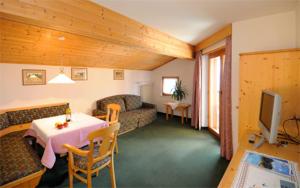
94 157
112 117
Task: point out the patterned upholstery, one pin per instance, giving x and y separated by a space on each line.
17 158
97 112
27 116
110 100
129 121
133 102
81 161
147 115
4 123
138 114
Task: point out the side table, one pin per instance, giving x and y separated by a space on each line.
182 107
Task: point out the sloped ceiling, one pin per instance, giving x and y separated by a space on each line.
28 44
94 36
99 37
194 20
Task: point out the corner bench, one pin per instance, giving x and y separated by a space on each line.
20 166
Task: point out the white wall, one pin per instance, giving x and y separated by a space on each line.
265 33
146 92
178 67
298 24
82 95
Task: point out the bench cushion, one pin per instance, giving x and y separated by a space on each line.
28 115
133 102
4 123
17 158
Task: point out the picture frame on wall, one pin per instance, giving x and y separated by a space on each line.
79 74
33 77
118 74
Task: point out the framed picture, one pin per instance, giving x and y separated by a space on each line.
33 77
118 74
79 74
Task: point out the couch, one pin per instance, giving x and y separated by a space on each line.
20 166
134 113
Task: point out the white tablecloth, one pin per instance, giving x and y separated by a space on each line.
53 139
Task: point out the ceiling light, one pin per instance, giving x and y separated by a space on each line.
61 78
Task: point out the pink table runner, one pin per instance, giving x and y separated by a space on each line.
52 139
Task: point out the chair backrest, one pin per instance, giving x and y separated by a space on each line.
107 143
113 112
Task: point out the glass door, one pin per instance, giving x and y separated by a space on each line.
216 60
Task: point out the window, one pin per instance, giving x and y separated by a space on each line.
168 84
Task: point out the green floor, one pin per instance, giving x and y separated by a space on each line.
164 154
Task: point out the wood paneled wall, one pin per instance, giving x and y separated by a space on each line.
27 44
278 71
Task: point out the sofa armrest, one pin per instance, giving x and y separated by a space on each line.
148 105
97 112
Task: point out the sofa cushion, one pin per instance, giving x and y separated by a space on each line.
133 102
81 161
4 123
115 100
17 158
28 115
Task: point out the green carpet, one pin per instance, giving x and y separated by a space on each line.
164 154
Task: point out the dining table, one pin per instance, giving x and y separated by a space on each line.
52 138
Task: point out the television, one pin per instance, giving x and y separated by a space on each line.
269 115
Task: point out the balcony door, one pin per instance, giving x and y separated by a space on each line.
216 61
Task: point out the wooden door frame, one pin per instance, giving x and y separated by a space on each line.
213 54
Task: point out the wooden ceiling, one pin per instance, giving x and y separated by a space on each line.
94 36
27 44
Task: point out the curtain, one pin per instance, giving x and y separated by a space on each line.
196 95
226 121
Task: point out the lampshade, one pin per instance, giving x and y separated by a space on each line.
61 78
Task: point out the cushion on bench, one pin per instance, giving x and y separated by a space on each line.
28 115
4 123
17 158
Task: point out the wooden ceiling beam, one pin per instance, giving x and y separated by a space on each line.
88 19
214 38
27 44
